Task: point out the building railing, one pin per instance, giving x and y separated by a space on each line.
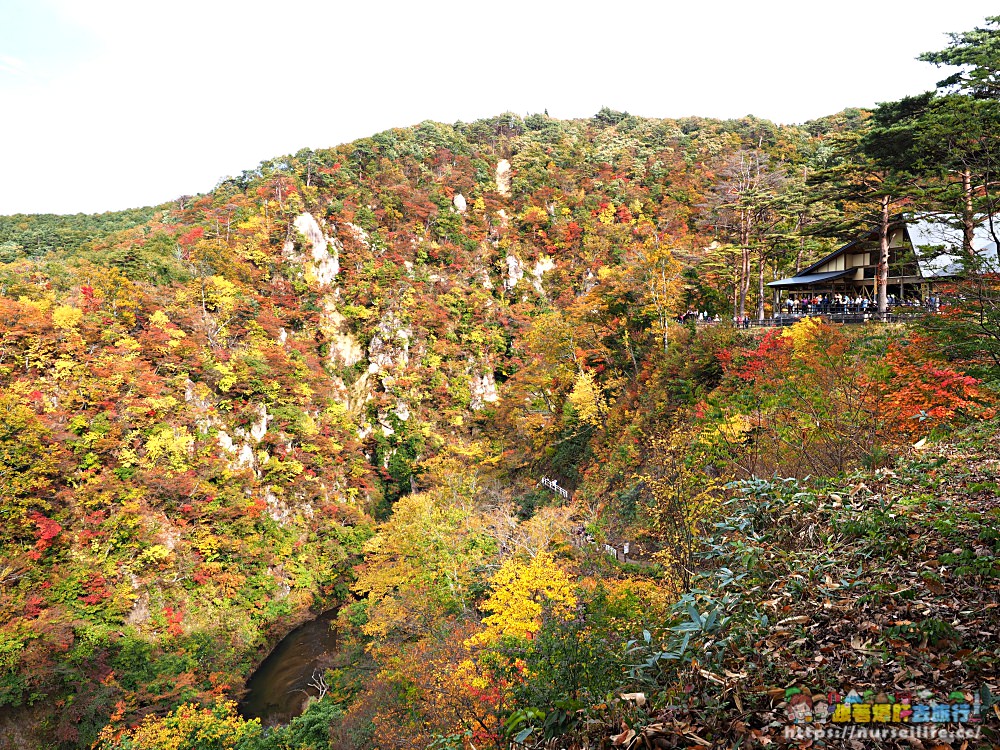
856 308
837 312
845 318
582 540
553 485
833 312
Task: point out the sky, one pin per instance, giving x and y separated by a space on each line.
113 104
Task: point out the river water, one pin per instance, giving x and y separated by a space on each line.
278 690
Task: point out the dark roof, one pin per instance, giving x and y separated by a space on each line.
896 223
937 239
813 278
831 256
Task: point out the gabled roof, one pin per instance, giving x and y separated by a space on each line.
812 278
831 256
937 245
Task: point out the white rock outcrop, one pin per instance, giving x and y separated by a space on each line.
140 611
324 261
259 428
514 272
276 508
503 177
344 348
484 390
402 411
543 264
383 421
390 346
359 233
243 454
226 442
245 457
460 203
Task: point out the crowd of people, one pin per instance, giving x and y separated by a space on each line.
846 304
698 317
820 304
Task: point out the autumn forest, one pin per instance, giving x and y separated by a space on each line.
488 406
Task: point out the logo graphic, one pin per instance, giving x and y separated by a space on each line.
869 707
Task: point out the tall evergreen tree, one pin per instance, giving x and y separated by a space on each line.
869 191
977 53
951 142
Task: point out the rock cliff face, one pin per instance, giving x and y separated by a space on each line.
544 263
514 272
503 177
345 351
484 390
322 263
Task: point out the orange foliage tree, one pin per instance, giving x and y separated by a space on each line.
814 399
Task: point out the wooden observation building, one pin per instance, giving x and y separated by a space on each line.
921 253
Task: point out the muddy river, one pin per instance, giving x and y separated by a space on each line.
278 690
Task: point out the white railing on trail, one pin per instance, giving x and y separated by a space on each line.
553 485
582 539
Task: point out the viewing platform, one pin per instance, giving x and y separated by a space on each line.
844 318
849 314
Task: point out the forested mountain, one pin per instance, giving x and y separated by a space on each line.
336 381
35 235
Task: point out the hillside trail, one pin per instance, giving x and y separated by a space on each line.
623 550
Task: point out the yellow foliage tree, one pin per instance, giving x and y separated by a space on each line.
170 447
520 589
118 295
587 400
660 275
422 562
219 727
682 500
217 297
65 317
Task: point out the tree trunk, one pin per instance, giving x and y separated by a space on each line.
968 218
882 270
760 290
744 280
